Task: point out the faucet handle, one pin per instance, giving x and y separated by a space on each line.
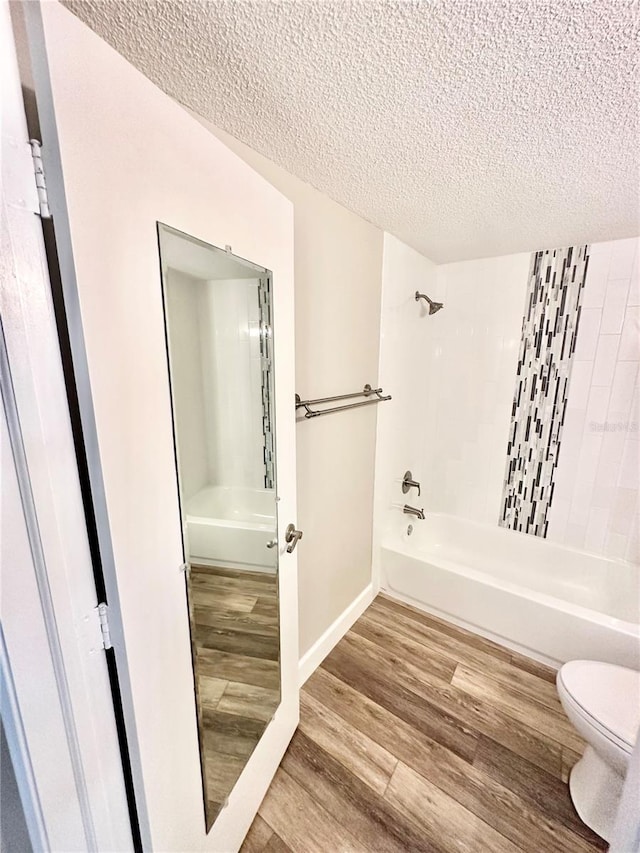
409 483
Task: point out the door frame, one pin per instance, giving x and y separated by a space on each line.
51 631
78 387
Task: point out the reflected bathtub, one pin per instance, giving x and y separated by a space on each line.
547 601
231 527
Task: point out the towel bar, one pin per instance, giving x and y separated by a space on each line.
367 391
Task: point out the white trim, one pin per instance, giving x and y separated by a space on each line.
39 63
32 528
312 658
60 675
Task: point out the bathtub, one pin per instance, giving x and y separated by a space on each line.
547 601
231 527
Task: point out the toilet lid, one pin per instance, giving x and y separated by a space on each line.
607 694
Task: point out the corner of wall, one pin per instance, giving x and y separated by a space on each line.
312 658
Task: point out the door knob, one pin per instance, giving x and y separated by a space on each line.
292 536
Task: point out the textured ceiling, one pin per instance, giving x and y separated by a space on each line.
467 128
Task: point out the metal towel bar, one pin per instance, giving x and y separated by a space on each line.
367 391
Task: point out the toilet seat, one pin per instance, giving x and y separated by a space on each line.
606 696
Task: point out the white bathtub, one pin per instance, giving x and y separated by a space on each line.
548 601
231 527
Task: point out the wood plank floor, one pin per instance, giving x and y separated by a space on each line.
234 627
418 736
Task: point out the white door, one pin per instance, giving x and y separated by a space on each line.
119 157
59 733
59 729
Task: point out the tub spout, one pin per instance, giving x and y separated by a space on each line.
411 510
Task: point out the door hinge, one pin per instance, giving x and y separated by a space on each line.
41 186
103 616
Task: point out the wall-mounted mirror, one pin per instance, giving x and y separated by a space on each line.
220 351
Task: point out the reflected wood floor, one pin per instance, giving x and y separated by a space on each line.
418 736
234 618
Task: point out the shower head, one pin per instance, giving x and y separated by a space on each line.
433 306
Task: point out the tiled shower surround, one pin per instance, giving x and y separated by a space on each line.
549 333
453 375
595 504
573 466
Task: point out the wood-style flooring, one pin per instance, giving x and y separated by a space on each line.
234 628
418 736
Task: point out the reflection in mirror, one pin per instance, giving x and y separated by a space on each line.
218 325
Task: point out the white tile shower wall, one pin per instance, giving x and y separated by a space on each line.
229 330
452 377
406 351
472 377
598 476
183 298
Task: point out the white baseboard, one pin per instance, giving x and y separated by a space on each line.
312 659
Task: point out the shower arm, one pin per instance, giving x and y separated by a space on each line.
433 306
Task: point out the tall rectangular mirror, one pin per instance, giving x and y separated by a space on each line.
220 352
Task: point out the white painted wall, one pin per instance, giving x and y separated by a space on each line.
338 263
595 503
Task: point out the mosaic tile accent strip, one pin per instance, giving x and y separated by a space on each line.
268 394
549 332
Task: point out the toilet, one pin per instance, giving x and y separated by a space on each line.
602 701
